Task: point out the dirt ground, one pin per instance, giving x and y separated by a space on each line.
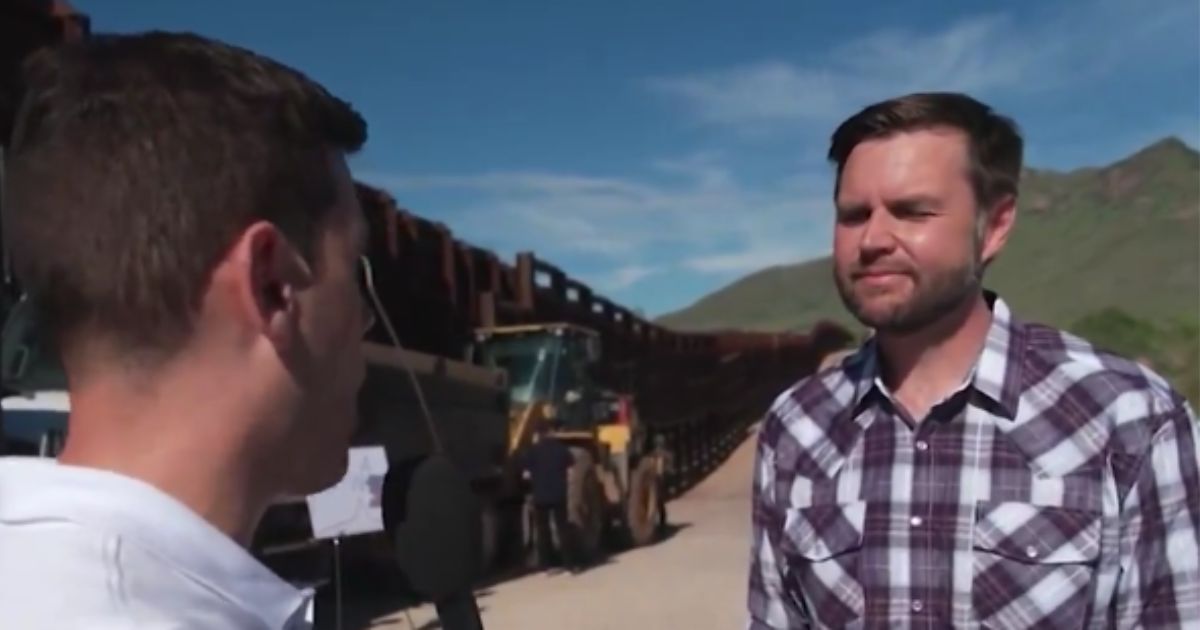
694 579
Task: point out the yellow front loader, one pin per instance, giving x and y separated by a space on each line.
615 484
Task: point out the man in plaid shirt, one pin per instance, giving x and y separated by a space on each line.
964 468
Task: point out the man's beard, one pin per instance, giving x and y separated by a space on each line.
934 295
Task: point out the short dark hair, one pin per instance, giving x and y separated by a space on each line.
995 146
135 163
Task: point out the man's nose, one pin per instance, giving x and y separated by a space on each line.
877 235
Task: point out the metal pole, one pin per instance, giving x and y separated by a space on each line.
337 581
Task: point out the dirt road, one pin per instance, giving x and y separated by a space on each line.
695 579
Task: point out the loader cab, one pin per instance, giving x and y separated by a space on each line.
546 365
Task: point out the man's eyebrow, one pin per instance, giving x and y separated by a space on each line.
850 208
914 201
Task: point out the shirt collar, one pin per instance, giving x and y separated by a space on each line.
996 373
33 488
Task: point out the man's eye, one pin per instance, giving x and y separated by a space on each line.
851 217
912 210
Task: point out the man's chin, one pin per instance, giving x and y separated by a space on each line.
900 321
876 313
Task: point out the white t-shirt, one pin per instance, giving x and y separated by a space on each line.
84 548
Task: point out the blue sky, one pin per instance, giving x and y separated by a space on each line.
659 150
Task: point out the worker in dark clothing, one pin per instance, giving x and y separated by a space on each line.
548 461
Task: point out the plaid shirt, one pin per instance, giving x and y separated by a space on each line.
1057 488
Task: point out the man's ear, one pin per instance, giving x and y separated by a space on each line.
271 272
998 222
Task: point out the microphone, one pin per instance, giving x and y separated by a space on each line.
435 522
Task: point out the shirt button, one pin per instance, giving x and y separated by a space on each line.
1031 551
918 605
915 521
922 445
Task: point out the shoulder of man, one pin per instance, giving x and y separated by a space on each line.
831 386
1085 386
814 403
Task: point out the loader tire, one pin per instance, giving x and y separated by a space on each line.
585 505
642 505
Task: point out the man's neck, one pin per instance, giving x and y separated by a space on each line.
139 435
924 367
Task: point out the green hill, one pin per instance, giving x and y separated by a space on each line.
1092 248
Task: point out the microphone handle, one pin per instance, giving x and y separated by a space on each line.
459 612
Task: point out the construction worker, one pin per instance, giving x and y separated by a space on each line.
548 462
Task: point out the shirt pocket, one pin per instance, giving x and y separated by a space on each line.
822 546
1034 565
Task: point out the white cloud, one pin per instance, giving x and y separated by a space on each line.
971 55
747 260
583 234
981 55
764 91
521 182
623 277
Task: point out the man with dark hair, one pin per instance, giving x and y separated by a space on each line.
181 215
964 468
548 463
